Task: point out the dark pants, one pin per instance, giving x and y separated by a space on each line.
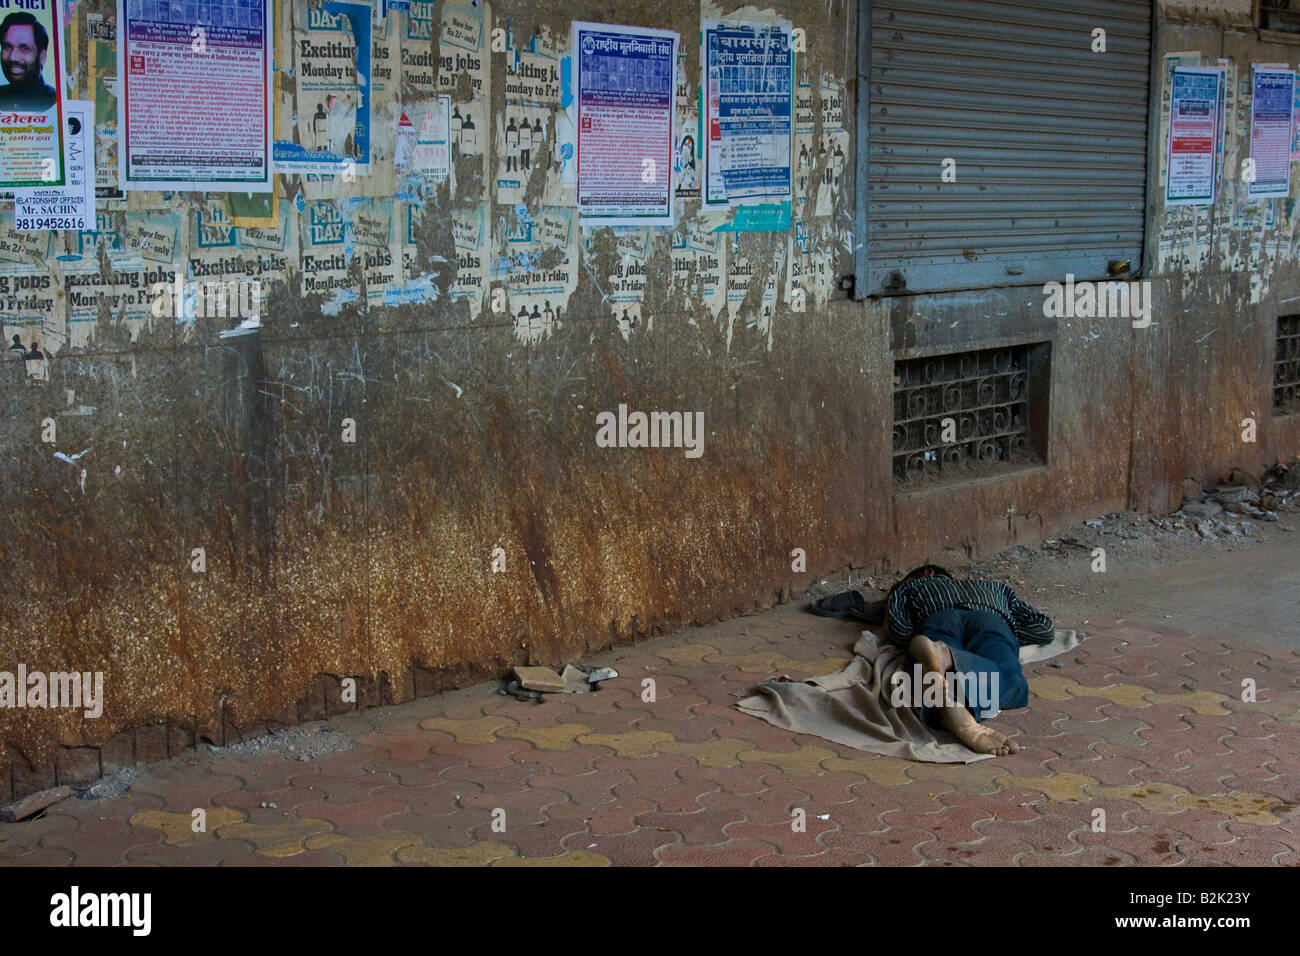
982 646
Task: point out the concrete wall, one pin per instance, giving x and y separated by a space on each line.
372 559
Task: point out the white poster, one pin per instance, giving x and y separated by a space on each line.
71 206
424 140
624 99
1270 132
194 95
749 112
1193 126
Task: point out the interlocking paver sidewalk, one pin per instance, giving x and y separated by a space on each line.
1142 726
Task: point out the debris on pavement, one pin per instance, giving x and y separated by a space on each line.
532 682
540 679
33 803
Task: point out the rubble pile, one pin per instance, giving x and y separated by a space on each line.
1229 508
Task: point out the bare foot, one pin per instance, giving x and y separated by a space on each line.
936 656
978 737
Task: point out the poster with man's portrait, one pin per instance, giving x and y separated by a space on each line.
31 95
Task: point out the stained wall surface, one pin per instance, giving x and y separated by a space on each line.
351 467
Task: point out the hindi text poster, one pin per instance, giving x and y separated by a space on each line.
625 103
1270 132
194 95
1193 125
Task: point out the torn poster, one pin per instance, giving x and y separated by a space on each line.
30 300
101 64
538 293
155 236
331 61
686 164
522 138
419 63
469 235
31 97
194 107
625 289
749 111
525 133
1193 124
463 54
1295 123
805 132
324 255
1270 132
625 118
424 140
832 152
376 229
72 205
686 160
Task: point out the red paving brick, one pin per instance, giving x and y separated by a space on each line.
664 782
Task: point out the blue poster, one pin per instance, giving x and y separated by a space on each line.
749 109
624 124
1270 132
331 68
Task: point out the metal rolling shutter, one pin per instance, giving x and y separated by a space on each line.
1049 138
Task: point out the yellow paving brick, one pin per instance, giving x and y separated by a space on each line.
277 839
1126 695
1061 787
477 854
1157 797
1051 687
686 654
1202 701
974 778
755 662
576 858
710 753
559 737
374 850
887 771
806 761
1285 711
179 827
1246 807
481 730
640 743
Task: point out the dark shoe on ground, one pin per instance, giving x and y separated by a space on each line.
849 604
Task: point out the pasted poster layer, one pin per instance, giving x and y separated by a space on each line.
194 97
625 115
749 111
31 96
1270 132
72 205
331 62
1193 127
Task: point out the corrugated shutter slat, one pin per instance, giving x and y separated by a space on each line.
1049 139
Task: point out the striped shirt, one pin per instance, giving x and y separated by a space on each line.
916 600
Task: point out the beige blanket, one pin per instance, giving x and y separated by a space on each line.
852 707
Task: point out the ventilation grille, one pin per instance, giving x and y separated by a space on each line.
1286 366
967 414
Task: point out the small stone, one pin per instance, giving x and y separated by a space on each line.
33 803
